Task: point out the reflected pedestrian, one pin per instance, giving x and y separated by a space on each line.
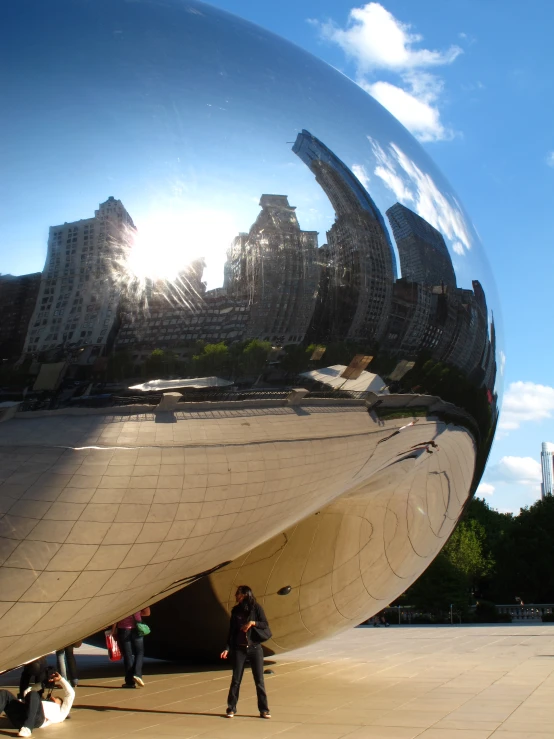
395 433
247 630
131 644
67 665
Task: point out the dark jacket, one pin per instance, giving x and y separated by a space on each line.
257 614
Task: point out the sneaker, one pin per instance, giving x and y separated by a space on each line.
229 713
139 682
129 687
24 731
265 714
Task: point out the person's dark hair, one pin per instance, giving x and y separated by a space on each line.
248 602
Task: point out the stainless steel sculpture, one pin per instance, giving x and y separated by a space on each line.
271 226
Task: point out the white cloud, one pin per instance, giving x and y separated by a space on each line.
458 248
526 401
376 39
485 488
378 42
519 470
360 172
416 113
418 189
550 159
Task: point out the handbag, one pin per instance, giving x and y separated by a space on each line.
259 634
142 628
114 653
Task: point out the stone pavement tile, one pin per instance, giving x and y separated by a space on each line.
454 734
470 722
501 734
382 732
306 731
404 717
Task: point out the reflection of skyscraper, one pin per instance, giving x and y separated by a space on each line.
78 297
424 256
409 318
547 457
361 262
18 297
275 266
490 362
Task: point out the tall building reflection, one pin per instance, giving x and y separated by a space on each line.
78 298
424 256
359 260
18 297
275 267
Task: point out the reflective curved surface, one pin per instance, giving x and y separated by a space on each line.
222 213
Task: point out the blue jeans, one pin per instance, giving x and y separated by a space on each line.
131 645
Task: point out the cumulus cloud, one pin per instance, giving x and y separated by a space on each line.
378 42
415 112
485 488
519 470
417 189
526 401
361 173
550 159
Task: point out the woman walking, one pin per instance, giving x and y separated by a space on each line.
131 644
247 630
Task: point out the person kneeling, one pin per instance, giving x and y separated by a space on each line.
34 713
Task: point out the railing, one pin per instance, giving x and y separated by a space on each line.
530 612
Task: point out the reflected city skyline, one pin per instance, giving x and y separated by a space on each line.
280 286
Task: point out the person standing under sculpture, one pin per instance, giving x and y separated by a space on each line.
67 666
247 630
131 644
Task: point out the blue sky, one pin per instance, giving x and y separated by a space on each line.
471 79
486 116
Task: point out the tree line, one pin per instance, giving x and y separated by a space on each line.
491 557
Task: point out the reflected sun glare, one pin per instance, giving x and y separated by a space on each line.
167 243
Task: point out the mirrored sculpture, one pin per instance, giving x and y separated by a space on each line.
263 347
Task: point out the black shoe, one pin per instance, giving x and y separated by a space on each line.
130 687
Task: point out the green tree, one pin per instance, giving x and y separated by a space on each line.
214 359
465 550
456 571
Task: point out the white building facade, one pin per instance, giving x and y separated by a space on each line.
547 455
79 292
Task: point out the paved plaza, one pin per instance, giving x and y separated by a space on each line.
459 682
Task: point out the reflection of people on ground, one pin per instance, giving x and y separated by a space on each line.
247 617
33 672
131 644
381 619
395 433
67 666
34 713
424 446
